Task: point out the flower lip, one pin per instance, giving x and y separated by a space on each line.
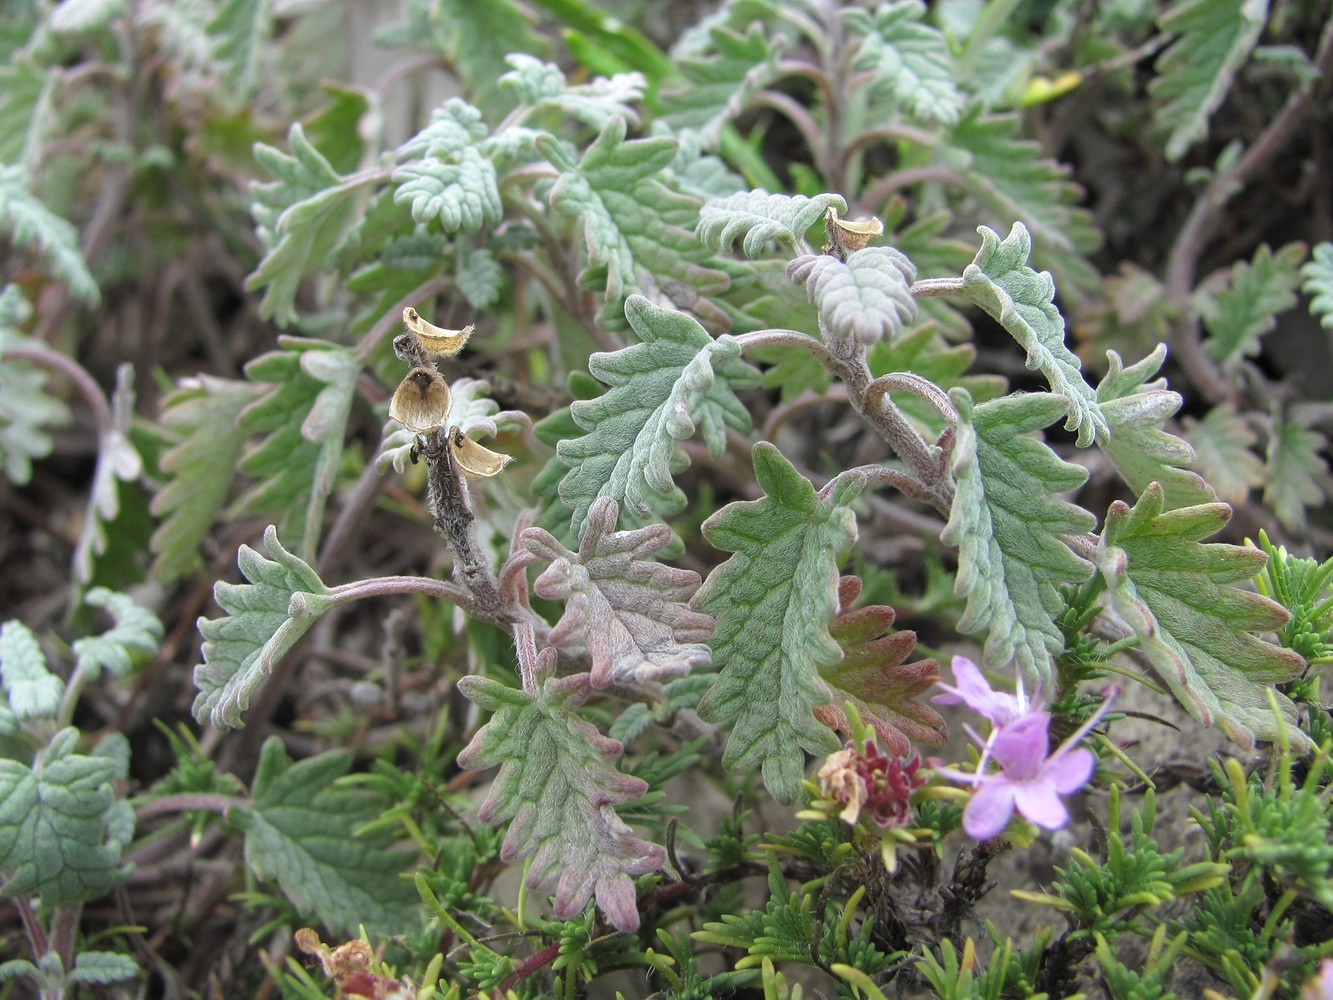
971 688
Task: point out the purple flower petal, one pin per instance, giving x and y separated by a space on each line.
1020 747
1039 803
971 687
987 812
1071 770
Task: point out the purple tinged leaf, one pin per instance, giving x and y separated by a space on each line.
630 613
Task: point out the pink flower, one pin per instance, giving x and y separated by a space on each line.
972 689
1321 986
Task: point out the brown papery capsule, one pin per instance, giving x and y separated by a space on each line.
422 400
476 461
436 339
848 236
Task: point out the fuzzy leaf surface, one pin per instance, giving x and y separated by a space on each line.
103 967
72 17
264 618
1223 441
1317 283
773 600
26 89
1006 521
1021 300
1198 631
660 389
558 788
720 83
301 832
237 32
910 61
33 692
873 676
27 412
1194 75
118 461
204 414
631 613
542 86
639 232
55 820
137 633
1240 313
463 195
28 222
868 297
762 218
1296 469
1140 447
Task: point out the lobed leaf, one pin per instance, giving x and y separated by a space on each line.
718 85
1007 520
558 788
263 620
762 218
1243 310
869 297
103 967
137 632
237 32
117 461
773 600
27 221
542 86
1296 469
26 89
72 17
1223 441
1020 299
26 410
1318 283
453 127
305 834
1139 446
33 692
54 825
873 676
478 275
660 389
1215 39
629 612
1197 631
462 195
909 61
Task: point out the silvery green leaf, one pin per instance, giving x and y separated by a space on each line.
72 17
477 274
462 195
1318 275
1224 441
542 85
718 86
762 218
136 634
103 967
118 461
1297 472
26 410
454 126
238 32
27 221
1239 308
869 297
910 61
33 692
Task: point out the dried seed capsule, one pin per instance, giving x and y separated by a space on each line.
422 400
847 236
434 338
476 461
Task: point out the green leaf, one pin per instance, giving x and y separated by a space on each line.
718 86
773 601
203 413
304 416
117 461
660 389
26 411
238 31
924 352
762 218
1140 447
301 831
557 788
103 967
478 275
463 195
26 89
1006 521
868 297
27 221
910 61
1318 275
33 692
541 86
53 825
454 126
1196 72
137 633
302 216
72 17
1243 309
1296 469
264 618
630 613
1223 441
639 232
1196 630
1020 299
873 676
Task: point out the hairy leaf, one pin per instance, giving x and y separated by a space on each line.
718 86
478 275
26 221
203 413
1296 470
137 632
302 216
1318 283
54 825
1215 39
454 126
117 461
72 17
33 692
26 411
25 108
1243 309
773 600
1195 629
1020 299
463 195
541 86
103 967
301 831
660 389
1006 521
263 620
629 612
1223 441
237 31
638 231
558 788
1140 447
762 218
910 61
868 297
873 676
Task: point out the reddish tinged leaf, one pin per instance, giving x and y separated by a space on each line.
873 676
